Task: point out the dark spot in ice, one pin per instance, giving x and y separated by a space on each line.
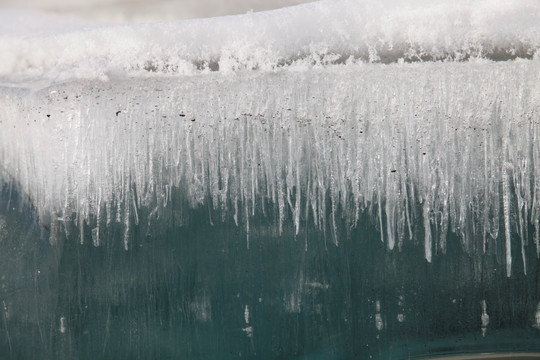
48 115
192 119
182 114
118 112
424 153
393 171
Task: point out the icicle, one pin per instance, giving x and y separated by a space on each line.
390 225
127 231
297 204
380 216
54 229
427 232
95 231
484 318
95 236
506 211
485 229
247 224
81 230
537 235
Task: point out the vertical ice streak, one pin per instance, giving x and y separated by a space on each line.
506 212
484 318
379 324
63 327
427 232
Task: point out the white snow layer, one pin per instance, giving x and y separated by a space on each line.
435 147
328 31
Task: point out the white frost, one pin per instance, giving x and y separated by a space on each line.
339 31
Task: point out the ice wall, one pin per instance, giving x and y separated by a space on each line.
291 108
430 148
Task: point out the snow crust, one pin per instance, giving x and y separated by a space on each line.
423 149
303 36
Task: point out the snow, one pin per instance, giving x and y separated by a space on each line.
315 109
328 31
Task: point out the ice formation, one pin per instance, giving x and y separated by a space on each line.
292 108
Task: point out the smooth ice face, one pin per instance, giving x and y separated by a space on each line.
435 148
323 32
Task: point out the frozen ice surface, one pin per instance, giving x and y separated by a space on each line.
432 147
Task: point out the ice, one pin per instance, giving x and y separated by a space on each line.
329 111
429 147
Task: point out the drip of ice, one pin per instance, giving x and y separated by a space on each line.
270 109
63 327
484 318
401 316
248 329
378 317
537 317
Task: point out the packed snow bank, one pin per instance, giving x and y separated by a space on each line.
324 32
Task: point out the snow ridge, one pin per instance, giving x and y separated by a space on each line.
303 36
